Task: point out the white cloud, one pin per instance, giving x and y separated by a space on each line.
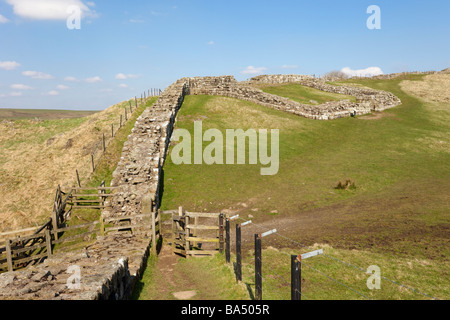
137 21
93 80
368 72
122 76
211 43
16 94
3 19
123 85
289 66
71 79
51 93
48 9
9 65
253 70
37 75
20 87
62 87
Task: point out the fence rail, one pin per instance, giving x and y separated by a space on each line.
192 238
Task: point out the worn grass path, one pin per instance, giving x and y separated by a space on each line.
172 277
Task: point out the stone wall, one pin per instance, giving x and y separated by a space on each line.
109 270
367 100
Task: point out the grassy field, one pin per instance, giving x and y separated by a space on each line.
20 114
397 216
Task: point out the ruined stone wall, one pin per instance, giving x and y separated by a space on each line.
108 269
367 100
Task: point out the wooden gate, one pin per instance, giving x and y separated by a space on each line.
197 234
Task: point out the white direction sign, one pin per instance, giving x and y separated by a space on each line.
311 254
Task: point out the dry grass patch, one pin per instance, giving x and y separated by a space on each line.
37 156
433 88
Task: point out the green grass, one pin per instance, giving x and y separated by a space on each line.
398 210
304 94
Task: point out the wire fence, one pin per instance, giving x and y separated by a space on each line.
276 282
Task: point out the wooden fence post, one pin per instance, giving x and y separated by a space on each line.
112 130
221 227
296 278
238 253
93 164
126 115
102 226
104 143
258 268
48 240
188 234
120 126
9 255
78 179
227 240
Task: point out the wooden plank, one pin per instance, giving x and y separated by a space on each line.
169 212
80 226
48 240
73 238
144 215
34 236
202 215
202 252
36 257
18 231
79 195
89 207
136 226
31 248
198 239
94 188
202 227
87 201
179 251
9 256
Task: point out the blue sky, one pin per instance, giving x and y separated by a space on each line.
126 47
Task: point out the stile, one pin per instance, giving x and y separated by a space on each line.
9 255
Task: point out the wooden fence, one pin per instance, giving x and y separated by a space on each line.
194 232
22 251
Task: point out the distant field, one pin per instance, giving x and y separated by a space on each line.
16 114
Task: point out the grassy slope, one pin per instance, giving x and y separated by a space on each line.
36 156
398 212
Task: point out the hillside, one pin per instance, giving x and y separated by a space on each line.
398 160
37 155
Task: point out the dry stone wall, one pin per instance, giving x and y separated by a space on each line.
367 100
